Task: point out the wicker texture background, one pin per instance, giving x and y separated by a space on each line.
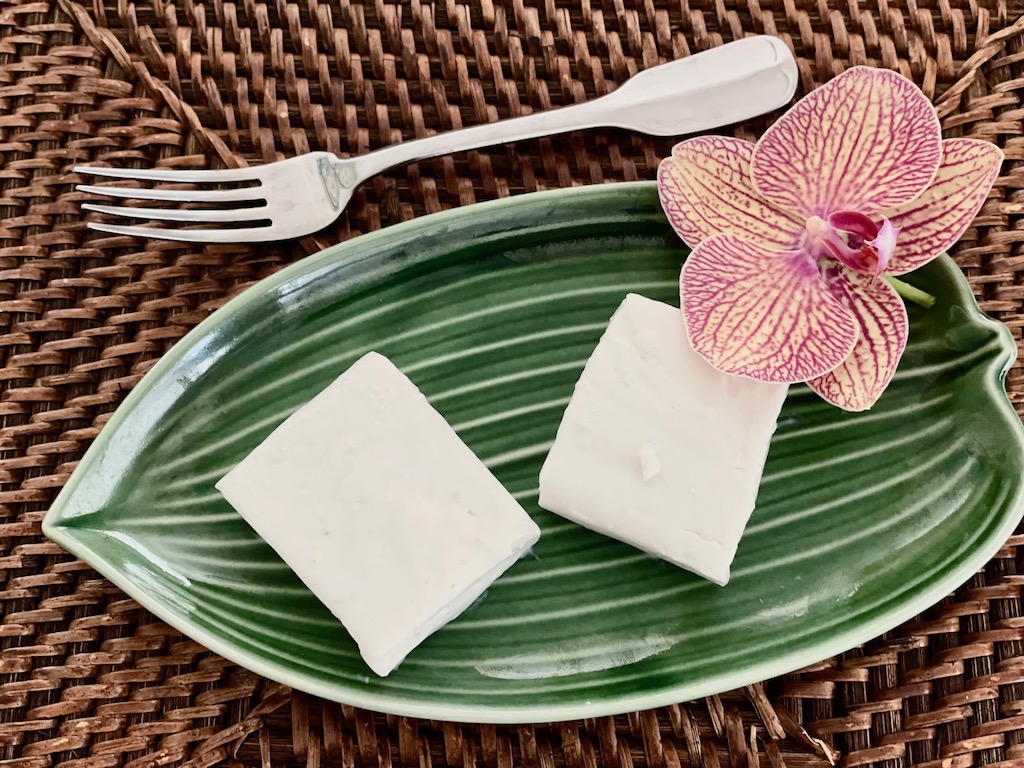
90 680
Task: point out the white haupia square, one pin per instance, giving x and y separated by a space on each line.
657 448
382 511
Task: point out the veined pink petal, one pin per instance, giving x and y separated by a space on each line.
859 381
865 141
763 314
938 217
705 189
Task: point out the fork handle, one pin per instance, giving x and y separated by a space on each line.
488 134
717 87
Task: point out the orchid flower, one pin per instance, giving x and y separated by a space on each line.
795 238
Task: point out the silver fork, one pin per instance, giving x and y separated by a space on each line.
303 194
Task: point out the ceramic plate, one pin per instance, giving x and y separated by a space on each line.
862 521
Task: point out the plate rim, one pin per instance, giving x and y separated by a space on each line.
993 376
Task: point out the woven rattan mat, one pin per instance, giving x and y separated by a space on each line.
87 678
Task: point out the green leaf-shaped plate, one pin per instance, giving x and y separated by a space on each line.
862 521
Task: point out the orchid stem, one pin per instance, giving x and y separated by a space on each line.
910 293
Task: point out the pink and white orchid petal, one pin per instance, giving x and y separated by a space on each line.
884 245
934 221
705 189
865 141
764 314
859 381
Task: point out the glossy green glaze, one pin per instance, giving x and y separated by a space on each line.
863 519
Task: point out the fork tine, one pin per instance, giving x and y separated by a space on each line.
177 195
181 214
182 177
250 235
